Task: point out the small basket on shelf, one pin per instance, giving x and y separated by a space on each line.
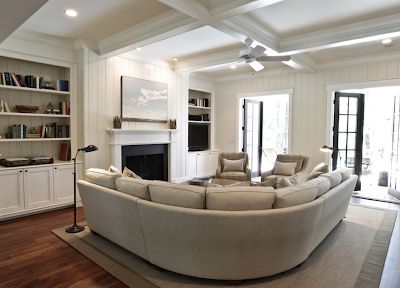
26 109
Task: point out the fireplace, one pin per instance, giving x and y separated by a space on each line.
148 161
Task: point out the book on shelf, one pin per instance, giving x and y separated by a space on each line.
17 131
15 80
30 81
65 154
54 130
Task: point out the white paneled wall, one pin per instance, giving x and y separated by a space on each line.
102 101
309 102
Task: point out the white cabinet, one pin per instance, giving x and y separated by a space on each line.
202 163
12 191
64 184
38 187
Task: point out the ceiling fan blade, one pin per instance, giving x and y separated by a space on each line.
257 51
273 58
257 66
248 42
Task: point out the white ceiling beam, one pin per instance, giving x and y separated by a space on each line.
210 60
364 31
192 8
14 13
237 7
166 25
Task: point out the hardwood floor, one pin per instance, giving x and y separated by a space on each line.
31 256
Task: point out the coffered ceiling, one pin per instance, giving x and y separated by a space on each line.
206 35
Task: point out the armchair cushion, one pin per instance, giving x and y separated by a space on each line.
285 168
235 175
268 182
233 165
291 158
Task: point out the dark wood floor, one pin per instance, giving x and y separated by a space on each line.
31 256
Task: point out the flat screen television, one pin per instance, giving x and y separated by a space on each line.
198 137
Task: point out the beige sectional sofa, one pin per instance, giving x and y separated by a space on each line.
218 233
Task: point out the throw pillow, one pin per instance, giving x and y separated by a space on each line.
267 183
114 169
320 169
286 182
129 173
282 168
233 165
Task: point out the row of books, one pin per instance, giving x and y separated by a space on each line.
199 102
30 81
53 130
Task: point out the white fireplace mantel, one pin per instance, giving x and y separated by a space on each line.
123 137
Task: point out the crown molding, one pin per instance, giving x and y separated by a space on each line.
41 38
192 8
378 57
168 24
146 60
85 43
341 35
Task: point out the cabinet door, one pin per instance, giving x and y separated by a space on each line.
212 162
191 164
201 164
64 184
38 187
12 191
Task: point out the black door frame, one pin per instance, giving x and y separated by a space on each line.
244 129
359 133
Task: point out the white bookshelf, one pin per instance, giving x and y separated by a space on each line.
39 91
5 114
34 139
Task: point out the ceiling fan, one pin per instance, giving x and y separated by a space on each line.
252 56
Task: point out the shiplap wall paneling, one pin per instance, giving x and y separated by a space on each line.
309 105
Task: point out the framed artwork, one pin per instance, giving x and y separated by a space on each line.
143 100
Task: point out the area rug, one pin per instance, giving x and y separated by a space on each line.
352 255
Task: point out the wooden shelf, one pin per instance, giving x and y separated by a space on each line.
34 115
47 91
200 122
34 139
199 107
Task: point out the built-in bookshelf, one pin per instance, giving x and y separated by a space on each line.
44 87
200 118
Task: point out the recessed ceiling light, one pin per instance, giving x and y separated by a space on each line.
233 66
71 13
175 59
387 41
138 49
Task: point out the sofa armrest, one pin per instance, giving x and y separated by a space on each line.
248 173
265 174
218 172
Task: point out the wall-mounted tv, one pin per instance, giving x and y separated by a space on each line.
198 137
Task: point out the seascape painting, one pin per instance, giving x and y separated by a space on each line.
143 100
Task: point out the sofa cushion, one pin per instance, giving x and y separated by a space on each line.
282 168
129 173
323 184
177 194
240 198
345 172
318 170
239 176
335 177
101 177
133 186
295 195
114 169
286 182
233 165
268 182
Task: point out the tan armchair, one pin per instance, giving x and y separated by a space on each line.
244 175
288 158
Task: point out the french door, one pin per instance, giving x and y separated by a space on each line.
394 179
252 134
348 132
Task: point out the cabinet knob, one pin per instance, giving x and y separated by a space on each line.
20 171
26 170
55 168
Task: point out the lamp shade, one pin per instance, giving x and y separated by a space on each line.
326 149
89 148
